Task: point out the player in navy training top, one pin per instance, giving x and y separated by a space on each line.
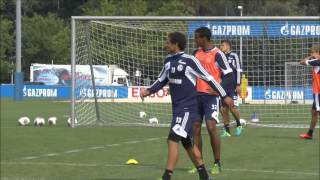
181 71
313 60
233 92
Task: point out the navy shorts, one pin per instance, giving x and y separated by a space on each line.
316 102
208 107
233 94
182 123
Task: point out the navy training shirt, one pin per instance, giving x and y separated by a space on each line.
181 71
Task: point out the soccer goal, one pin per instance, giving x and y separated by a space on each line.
127 53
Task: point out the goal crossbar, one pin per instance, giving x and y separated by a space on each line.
266 56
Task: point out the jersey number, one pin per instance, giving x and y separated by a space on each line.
173 69
178 120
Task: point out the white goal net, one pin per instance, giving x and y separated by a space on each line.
125 54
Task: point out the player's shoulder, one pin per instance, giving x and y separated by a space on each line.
196 51
233 54
167 61
188 58
216 50
169 57
219 53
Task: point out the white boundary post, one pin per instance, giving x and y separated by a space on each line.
73 70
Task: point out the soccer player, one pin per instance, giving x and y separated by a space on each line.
235 64
313 60
215 62
180 71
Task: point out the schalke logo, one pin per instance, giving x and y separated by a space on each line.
180 67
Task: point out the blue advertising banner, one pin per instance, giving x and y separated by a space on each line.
119 92
103 92
281 93
64 92
7 90
229 28
43 91
293 29
259 28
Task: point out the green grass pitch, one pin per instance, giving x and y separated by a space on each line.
100 153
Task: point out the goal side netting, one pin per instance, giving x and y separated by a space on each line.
114 58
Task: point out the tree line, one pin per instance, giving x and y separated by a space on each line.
46 24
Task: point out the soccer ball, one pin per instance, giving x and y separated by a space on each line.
142 114
243 122
52 120
24 121
153 121
69 121
39 121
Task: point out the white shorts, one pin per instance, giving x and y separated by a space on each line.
316 102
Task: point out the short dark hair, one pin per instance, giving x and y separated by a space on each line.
226 41
204 32
178 38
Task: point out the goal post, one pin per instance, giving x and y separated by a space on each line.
298 77
126 53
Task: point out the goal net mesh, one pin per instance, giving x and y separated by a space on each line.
130 54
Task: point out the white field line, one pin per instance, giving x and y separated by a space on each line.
274 171
96 147
113 145
91 148
270 171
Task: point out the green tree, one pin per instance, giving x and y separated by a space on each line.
173 8
30 7
275 8
115 8
45 38
138 8
215 8
7 9
6 69
6 47
69 8
309 7
6 28
63 8
279 8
